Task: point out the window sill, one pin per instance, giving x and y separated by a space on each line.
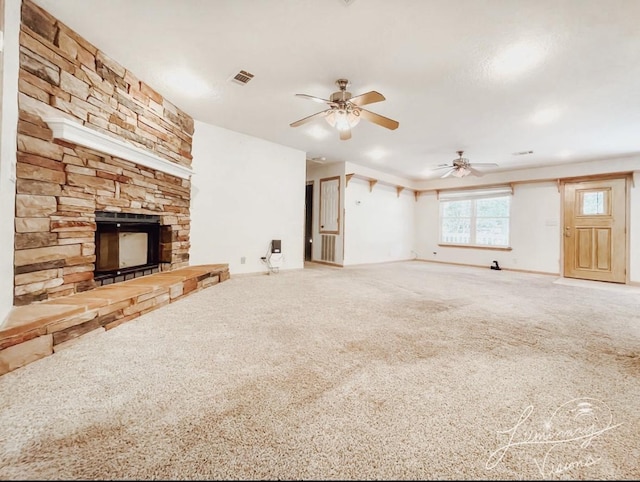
476 246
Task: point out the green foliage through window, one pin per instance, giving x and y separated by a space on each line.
478 222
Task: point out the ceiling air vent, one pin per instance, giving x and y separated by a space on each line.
243 77
522 153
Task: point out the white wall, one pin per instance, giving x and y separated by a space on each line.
535 232
535 217
8 133
245 192
535 229
379 224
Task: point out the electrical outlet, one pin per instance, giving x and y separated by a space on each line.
243 260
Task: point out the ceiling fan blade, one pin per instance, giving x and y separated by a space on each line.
379 119
368 98
310 118
475 172
315 99
345 134
485 164
448 173
441 166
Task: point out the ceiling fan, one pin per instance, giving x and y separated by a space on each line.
346 111
462 167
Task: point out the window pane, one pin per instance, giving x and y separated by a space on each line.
456 230
593 202
492 231
493 207
456 209
476 221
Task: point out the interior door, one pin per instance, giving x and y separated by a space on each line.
595 216
330 205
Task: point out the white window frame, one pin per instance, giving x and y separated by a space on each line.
473 195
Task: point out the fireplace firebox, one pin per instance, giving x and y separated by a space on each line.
127 246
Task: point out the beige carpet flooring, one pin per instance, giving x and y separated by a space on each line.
407 370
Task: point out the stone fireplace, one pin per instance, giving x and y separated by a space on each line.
103 190
103 168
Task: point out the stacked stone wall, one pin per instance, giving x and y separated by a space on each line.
60 186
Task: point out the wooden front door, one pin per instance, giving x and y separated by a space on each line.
595 240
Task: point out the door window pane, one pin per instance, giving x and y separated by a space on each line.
593 202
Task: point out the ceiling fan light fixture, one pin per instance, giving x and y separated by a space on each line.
461 172
343 120
461 167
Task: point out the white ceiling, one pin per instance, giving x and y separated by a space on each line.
446 68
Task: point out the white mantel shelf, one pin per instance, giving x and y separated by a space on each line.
76 133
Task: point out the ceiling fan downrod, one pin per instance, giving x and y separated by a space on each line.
342 95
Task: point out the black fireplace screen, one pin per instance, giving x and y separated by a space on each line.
127 246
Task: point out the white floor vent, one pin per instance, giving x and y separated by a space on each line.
328 245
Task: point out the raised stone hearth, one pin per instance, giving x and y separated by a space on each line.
40 329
